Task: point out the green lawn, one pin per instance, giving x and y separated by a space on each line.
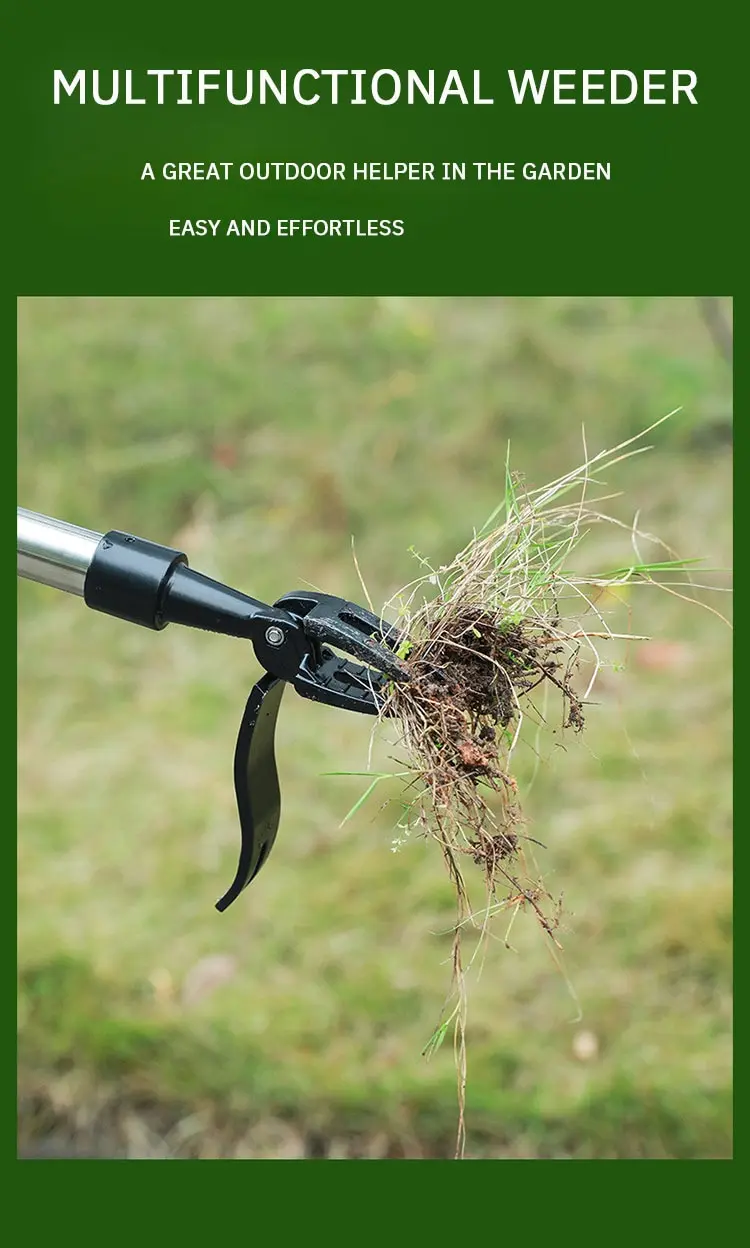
261 436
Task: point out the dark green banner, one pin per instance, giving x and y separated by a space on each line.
191 151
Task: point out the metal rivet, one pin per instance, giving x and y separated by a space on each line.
275 635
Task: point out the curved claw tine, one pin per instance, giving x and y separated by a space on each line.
256 783
368 623
339 632
349 627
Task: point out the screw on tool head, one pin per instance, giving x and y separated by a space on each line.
275 635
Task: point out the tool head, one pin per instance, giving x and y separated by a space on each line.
295 642
325 676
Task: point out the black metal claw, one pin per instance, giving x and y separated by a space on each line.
293 641
338 682
349 627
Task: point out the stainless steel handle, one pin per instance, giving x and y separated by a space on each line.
54 553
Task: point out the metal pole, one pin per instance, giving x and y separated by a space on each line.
54 553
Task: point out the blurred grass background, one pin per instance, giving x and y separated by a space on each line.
261 435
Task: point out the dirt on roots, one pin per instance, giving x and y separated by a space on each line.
471 672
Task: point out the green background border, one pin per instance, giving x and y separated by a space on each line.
669 224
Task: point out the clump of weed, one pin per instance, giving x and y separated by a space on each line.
472 666
504 624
